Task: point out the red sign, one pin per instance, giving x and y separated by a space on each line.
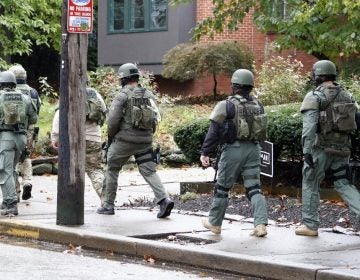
80 16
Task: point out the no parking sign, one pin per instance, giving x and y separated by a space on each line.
80 16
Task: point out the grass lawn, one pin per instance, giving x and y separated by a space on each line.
46 116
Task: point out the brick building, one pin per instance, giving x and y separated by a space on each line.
143 31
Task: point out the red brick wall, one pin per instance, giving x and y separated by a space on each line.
247 34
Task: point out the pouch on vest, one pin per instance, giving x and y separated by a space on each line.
94 109
243 131
259 127
14 109
344 117
143 116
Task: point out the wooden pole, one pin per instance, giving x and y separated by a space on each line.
71 173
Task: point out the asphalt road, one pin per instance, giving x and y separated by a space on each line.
27 259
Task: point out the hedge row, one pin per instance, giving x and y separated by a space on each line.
284 130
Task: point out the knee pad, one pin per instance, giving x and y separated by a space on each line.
251 191
221 188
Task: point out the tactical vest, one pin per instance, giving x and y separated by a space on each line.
139 113
12 109
337 112
35 98
250 122
94 107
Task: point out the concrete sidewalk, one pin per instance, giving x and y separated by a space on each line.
280 255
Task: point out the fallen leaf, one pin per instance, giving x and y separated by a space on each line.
109 253
149 259
171 237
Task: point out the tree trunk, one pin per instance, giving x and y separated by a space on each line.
215 85
71 173
320 56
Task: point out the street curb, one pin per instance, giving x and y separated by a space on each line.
267 267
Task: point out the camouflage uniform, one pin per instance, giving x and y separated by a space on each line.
93 157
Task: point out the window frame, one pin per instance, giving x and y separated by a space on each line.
127 18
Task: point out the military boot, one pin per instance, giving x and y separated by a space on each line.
26 191
259 231
214 229
105 211
305 231
10 210
166 205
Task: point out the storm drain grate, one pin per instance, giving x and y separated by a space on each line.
183 238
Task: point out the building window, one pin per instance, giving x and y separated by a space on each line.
281 9
137 15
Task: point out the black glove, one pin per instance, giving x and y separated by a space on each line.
309 160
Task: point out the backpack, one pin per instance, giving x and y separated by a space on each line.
250 122
94 107
14 108
142 113
337 112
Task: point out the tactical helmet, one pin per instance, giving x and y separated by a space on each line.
324 67
127 70
19 71
7 77
243 77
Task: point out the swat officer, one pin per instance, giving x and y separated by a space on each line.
95 117
132 118
328 119
240 123
16 114
25 166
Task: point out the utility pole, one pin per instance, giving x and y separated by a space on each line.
71 172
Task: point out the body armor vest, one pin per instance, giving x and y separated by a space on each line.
250 122
35 98
139 113
13 110
337 112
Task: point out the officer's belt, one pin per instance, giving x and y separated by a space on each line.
12 130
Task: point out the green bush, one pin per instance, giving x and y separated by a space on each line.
281 81
190 137
284 130
107 81
193 61
352 84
